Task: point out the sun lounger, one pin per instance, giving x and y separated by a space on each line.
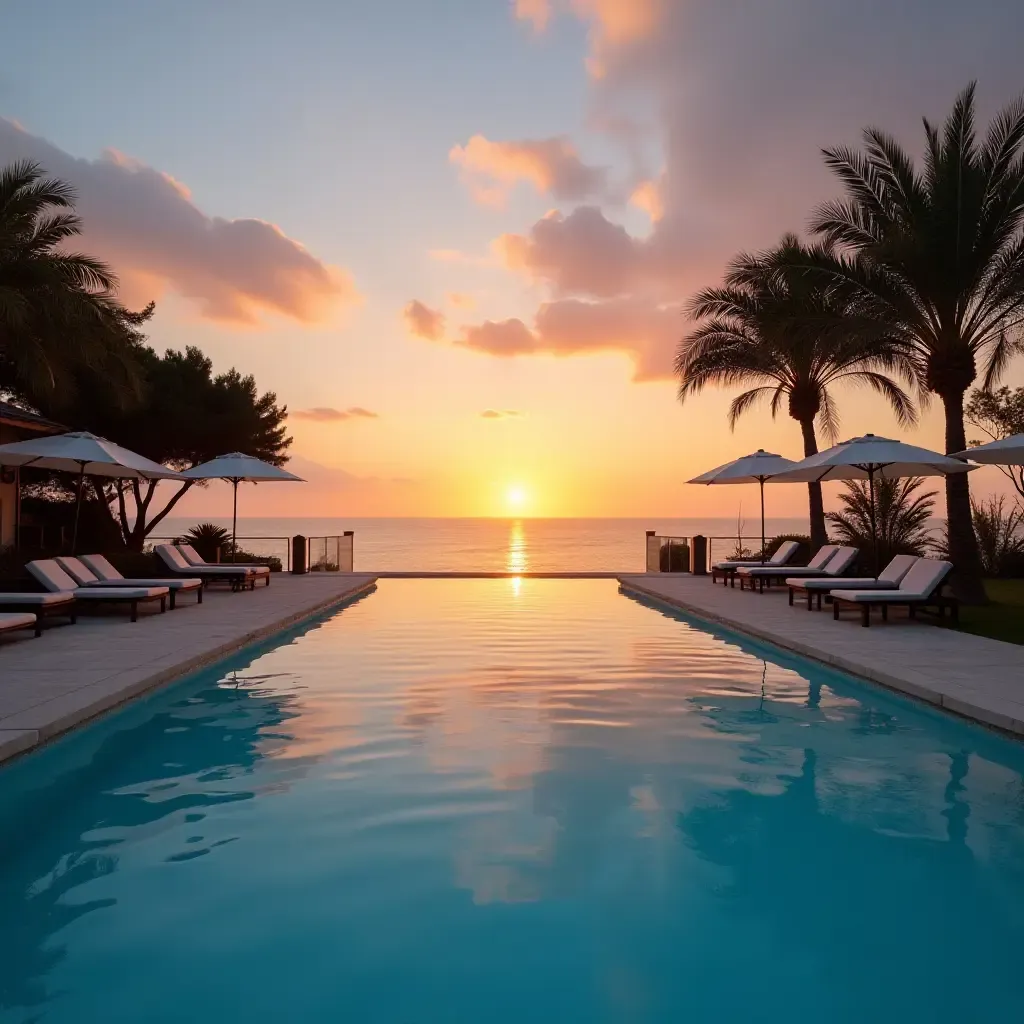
10 621
727 570
47 572
918 589
43 606
888 579
193 558
239 578
822 564
85 576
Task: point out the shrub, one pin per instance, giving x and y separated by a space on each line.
211 541
803 551
1000 534
674 557
901 518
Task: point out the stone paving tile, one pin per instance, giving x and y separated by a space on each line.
968 675
73 673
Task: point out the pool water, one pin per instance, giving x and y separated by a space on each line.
502 800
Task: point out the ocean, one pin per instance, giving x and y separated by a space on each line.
494 545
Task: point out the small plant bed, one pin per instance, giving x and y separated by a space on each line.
1003 619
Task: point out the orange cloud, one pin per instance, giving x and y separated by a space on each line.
145 224
423 321
460 300
325 414
499 414
537 12
641 329
615 24
553 165
647 197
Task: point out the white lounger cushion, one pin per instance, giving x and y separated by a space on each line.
119 593
38 599
782 555
918 585
815 566
889 578
89 576
16 620
193 558
176 561
57 581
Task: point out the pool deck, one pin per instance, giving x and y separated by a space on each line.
70 674
971 676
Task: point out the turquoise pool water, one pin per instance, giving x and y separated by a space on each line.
501 801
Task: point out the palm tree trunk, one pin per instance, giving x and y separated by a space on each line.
963 544
817 506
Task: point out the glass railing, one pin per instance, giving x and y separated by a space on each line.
673 554
330 554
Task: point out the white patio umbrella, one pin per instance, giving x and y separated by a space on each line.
236 467
86 455
870 457
755 468
1009 451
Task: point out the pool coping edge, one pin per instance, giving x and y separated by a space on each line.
954 705
16 742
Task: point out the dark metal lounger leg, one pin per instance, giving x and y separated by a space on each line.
885 613
810 598
835 610
135 611
163 602
865 619
199 594
173 592
791 597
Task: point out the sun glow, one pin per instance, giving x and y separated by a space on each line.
516 497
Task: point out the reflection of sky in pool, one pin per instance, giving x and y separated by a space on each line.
498 800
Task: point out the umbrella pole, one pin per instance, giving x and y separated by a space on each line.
78 509
234 524
874 525
760 480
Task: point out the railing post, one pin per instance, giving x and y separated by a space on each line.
298 555
652 553
699 555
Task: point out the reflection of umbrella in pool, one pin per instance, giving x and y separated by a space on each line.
870 457
750 469
85 455
235 468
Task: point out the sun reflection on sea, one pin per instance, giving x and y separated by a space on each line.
516 561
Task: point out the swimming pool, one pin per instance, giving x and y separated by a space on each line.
502 800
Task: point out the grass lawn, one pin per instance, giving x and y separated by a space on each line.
1003 619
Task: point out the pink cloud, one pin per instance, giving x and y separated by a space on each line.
326 414
460 300
553 166
424 322
644 331
500 414
146 225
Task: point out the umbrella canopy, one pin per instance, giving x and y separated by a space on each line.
236 467
82 452
870 457
750 469
85 454
1007 452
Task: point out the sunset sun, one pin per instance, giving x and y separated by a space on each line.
516 497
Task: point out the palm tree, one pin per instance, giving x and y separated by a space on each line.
773 327
937 255
58 312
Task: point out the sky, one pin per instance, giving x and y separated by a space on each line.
457 238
